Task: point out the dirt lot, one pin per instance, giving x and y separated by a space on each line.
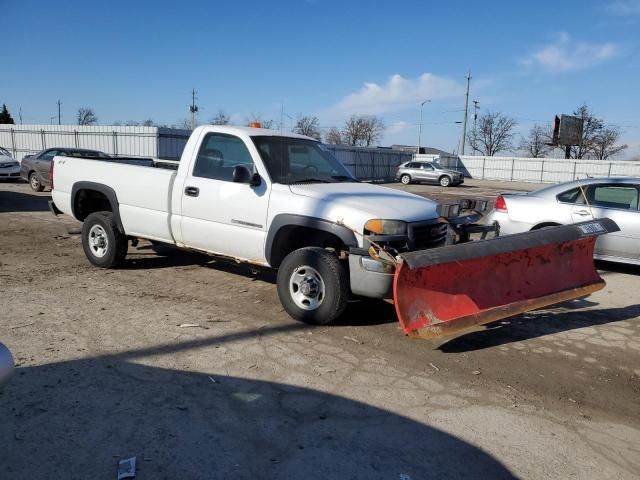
107 372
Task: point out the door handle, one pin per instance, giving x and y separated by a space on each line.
582 212
192 191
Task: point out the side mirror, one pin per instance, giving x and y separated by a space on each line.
241 174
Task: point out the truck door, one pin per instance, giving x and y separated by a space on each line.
220 215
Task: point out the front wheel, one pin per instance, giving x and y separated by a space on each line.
444 181
103 244
35 183
405 179
313 285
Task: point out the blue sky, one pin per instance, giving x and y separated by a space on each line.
136 60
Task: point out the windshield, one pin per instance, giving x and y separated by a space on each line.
292 160
4 152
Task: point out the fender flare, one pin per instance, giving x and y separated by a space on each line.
287 219
106 191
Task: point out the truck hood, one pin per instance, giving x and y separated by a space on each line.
368 201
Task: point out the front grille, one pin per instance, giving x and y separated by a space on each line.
427 235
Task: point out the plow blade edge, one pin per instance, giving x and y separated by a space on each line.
443 291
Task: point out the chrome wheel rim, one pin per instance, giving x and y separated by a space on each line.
35 183
98 241
405 180
306 288
445 182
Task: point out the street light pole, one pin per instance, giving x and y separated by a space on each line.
420 124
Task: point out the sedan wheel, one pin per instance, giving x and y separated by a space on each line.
445 181
405 179
34 182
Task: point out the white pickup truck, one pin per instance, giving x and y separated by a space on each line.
255 196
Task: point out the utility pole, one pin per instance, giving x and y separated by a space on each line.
281 116
466 111
194 109
420 125
475 120
20 114
59 114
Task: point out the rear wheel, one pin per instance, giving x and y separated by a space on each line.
444 181
405 179
313 285
103 244
35 183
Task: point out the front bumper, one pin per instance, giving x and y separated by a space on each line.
10 173
369 277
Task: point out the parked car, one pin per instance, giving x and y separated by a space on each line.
9 167
427 172
35 168
6 365
564 203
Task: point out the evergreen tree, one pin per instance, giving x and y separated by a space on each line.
5 116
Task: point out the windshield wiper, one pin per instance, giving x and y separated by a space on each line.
344 178
311 180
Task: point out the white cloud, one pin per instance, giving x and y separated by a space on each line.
398 93
567 55
625 7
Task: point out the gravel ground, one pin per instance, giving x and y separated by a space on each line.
107 369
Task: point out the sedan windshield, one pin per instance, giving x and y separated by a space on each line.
292 160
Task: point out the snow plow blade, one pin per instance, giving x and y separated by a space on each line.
444 291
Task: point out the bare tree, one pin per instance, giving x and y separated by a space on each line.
221 118
604 143
494 134
149 123
309 126
362 130
86 116
598 140
333 136
184 124
535 145
591 126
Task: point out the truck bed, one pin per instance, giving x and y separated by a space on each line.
143 186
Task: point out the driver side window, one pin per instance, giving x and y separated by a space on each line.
218 154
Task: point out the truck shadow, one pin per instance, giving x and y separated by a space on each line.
77 419
536 324
607 268
11 201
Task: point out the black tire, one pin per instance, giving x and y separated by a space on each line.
335 281
35 183
444 181
405 179
115 247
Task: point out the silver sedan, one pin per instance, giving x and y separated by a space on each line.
615 198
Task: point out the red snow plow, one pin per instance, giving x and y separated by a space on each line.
444 291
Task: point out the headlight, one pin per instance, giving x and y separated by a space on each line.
378 226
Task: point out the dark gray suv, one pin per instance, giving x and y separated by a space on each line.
427 172
35 168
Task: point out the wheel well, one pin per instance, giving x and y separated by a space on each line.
293 237
544 225
88 201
